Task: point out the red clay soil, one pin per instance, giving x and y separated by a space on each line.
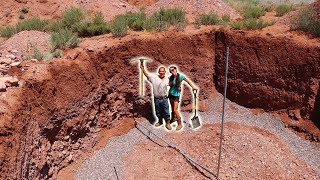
58 114
248 153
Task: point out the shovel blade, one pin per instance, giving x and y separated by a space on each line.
195 121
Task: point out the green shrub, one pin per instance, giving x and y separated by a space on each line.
307 21
55 26
254 24
98 18
283 9
72 16
57 53
237 25
136 20
37 54
86 29
226 18
170 16
64 39
32 24
208 19
119 27
24 10
7 32
253 12
156 22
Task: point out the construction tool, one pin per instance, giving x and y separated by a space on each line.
195 121
141 59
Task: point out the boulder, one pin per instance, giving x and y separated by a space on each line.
5 60
14 64
13 51
11 56
2 86
9 81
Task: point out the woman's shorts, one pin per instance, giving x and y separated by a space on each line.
174 98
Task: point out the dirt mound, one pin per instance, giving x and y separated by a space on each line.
196 7
25 42
248 153
44 9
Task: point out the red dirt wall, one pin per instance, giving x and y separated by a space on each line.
269 73
64 103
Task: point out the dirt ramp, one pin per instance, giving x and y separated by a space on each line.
269 73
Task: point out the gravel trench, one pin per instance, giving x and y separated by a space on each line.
102 164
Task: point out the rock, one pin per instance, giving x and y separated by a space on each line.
13 51
294 114
70 158
10 81
11 56
34 60
3 67
5 60
14 64
2 86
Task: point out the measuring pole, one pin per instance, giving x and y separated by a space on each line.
223 109
141 79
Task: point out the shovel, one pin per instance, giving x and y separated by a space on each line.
195 121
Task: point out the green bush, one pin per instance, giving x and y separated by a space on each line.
307 21
283 9
85 29
208 19
57 53
254 24
237 25
72 16
55 26
32 24
7 32
253 12
119 27
37 54
136 21
98 18
170 16
64 39
156 22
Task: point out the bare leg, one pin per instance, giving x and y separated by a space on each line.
177 114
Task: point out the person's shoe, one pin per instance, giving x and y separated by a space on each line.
179 125
172 120
158 124
168 125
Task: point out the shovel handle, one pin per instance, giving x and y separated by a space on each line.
195 91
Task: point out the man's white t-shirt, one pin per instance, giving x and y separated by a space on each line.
159 86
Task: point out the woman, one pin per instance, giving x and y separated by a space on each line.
174 94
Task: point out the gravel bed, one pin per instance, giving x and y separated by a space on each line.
101 164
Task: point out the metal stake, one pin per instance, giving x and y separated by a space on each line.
223 109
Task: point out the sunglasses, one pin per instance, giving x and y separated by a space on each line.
171 70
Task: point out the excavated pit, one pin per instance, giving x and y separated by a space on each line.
58 114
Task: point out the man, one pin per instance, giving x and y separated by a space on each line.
160 85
